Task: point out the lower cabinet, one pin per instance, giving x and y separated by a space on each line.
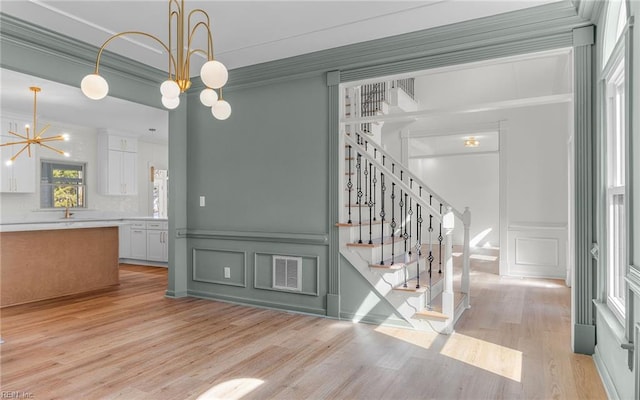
157 246
144 241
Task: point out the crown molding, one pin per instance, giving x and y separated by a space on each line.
27 35
538 28
554 21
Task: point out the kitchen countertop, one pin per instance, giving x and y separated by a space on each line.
70 223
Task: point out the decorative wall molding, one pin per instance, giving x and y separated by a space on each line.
280 237
537 250
334 194
583 311
196 267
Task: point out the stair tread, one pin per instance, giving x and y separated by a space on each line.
424 282
398 262
355 223
376 242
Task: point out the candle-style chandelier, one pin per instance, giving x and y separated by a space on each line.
213 73
27 140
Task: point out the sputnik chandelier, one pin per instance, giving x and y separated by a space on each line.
213 73
27 140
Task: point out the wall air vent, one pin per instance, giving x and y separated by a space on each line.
287 273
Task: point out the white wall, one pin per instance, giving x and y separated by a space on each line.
82 147
534 163
467 181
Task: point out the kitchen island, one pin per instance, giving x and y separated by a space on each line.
40 261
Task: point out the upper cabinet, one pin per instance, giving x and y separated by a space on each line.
117 165
20 177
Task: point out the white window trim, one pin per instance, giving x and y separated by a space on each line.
614 112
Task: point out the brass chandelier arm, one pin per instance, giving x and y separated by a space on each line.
207 24
51 139
12 143
28 145
209 52
43 131
52 148
104 45
18 135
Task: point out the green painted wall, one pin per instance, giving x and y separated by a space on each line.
265 168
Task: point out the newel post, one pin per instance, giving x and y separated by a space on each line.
466 253
448 306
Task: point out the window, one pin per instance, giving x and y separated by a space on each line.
62 184
615 182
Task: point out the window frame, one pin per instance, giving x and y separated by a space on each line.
50 205
615 101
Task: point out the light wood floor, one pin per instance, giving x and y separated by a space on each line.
132 343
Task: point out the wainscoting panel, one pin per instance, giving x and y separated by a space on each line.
263 276
210 265
537 250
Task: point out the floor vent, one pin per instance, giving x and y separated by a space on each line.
287 273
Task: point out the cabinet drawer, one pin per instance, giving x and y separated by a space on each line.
138 225
157 225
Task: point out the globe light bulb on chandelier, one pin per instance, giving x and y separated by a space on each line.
212 73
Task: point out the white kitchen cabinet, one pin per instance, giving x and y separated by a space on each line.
20 177
157 243
117 165
148 241
138 243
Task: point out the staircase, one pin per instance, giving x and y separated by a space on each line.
397 233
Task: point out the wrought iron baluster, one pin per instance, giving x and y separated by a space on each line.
418 242
430 258
370 204
410 213
440 240
375 180
393 221
401 204
359 186
349 185
405 235
366 174
383 189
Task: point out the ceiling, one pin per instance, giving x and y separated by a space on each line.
245 33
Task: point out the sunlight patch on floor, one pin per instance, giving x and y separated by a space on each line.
417 338
488 356
533 282
231 389
483 257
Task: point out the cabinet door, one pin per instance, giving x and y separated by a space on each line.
6 171
24 172
129 173
139 244
124 238
114 174
165 246
155 245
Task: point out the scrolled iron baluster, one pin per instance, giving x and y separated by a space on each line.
359 194
440 238
383 189
375 180
418 242
393 222
349 184
370 204
430 258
